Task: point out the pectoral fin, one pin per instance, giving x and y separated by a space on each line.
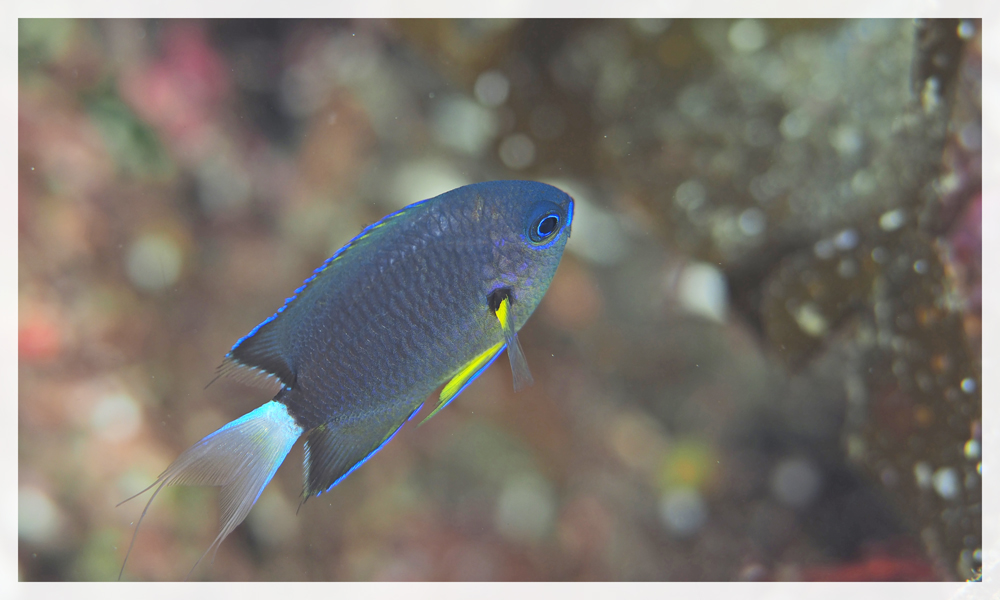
518 363
499 302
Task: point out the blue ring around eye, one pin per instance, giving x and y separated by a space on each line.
545 227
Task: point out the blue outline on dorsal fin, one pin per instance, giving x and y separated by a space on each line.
263 373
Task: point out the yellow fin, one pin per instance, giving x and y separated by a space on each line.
465 376
518 363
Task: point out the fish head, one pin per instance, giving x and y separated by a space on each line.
529 224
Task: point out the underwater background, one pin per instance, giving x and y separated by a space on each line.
760 358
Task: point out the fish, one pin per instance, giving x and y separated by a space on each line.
428 296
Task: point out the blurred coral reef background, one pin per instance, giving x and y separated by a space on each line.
760 358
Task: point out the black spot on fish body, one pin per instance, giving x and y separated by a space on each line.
495 298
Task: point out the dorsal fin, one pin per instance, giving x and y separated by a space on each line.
248 375
260 357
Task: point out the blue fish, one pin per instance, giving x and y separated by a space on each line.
429 295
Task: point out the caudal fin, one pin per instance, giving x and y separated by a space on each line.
241 457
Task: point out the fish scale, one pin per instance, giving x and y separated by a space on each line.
429 295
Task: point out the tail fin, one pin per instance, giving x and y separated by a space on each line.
242 457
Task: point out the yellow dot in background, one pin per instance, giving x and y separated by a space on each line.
688 463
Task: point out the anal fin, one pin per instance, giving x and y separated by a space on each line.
334 450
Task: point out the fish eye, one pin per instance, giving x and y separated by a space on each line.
544 227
